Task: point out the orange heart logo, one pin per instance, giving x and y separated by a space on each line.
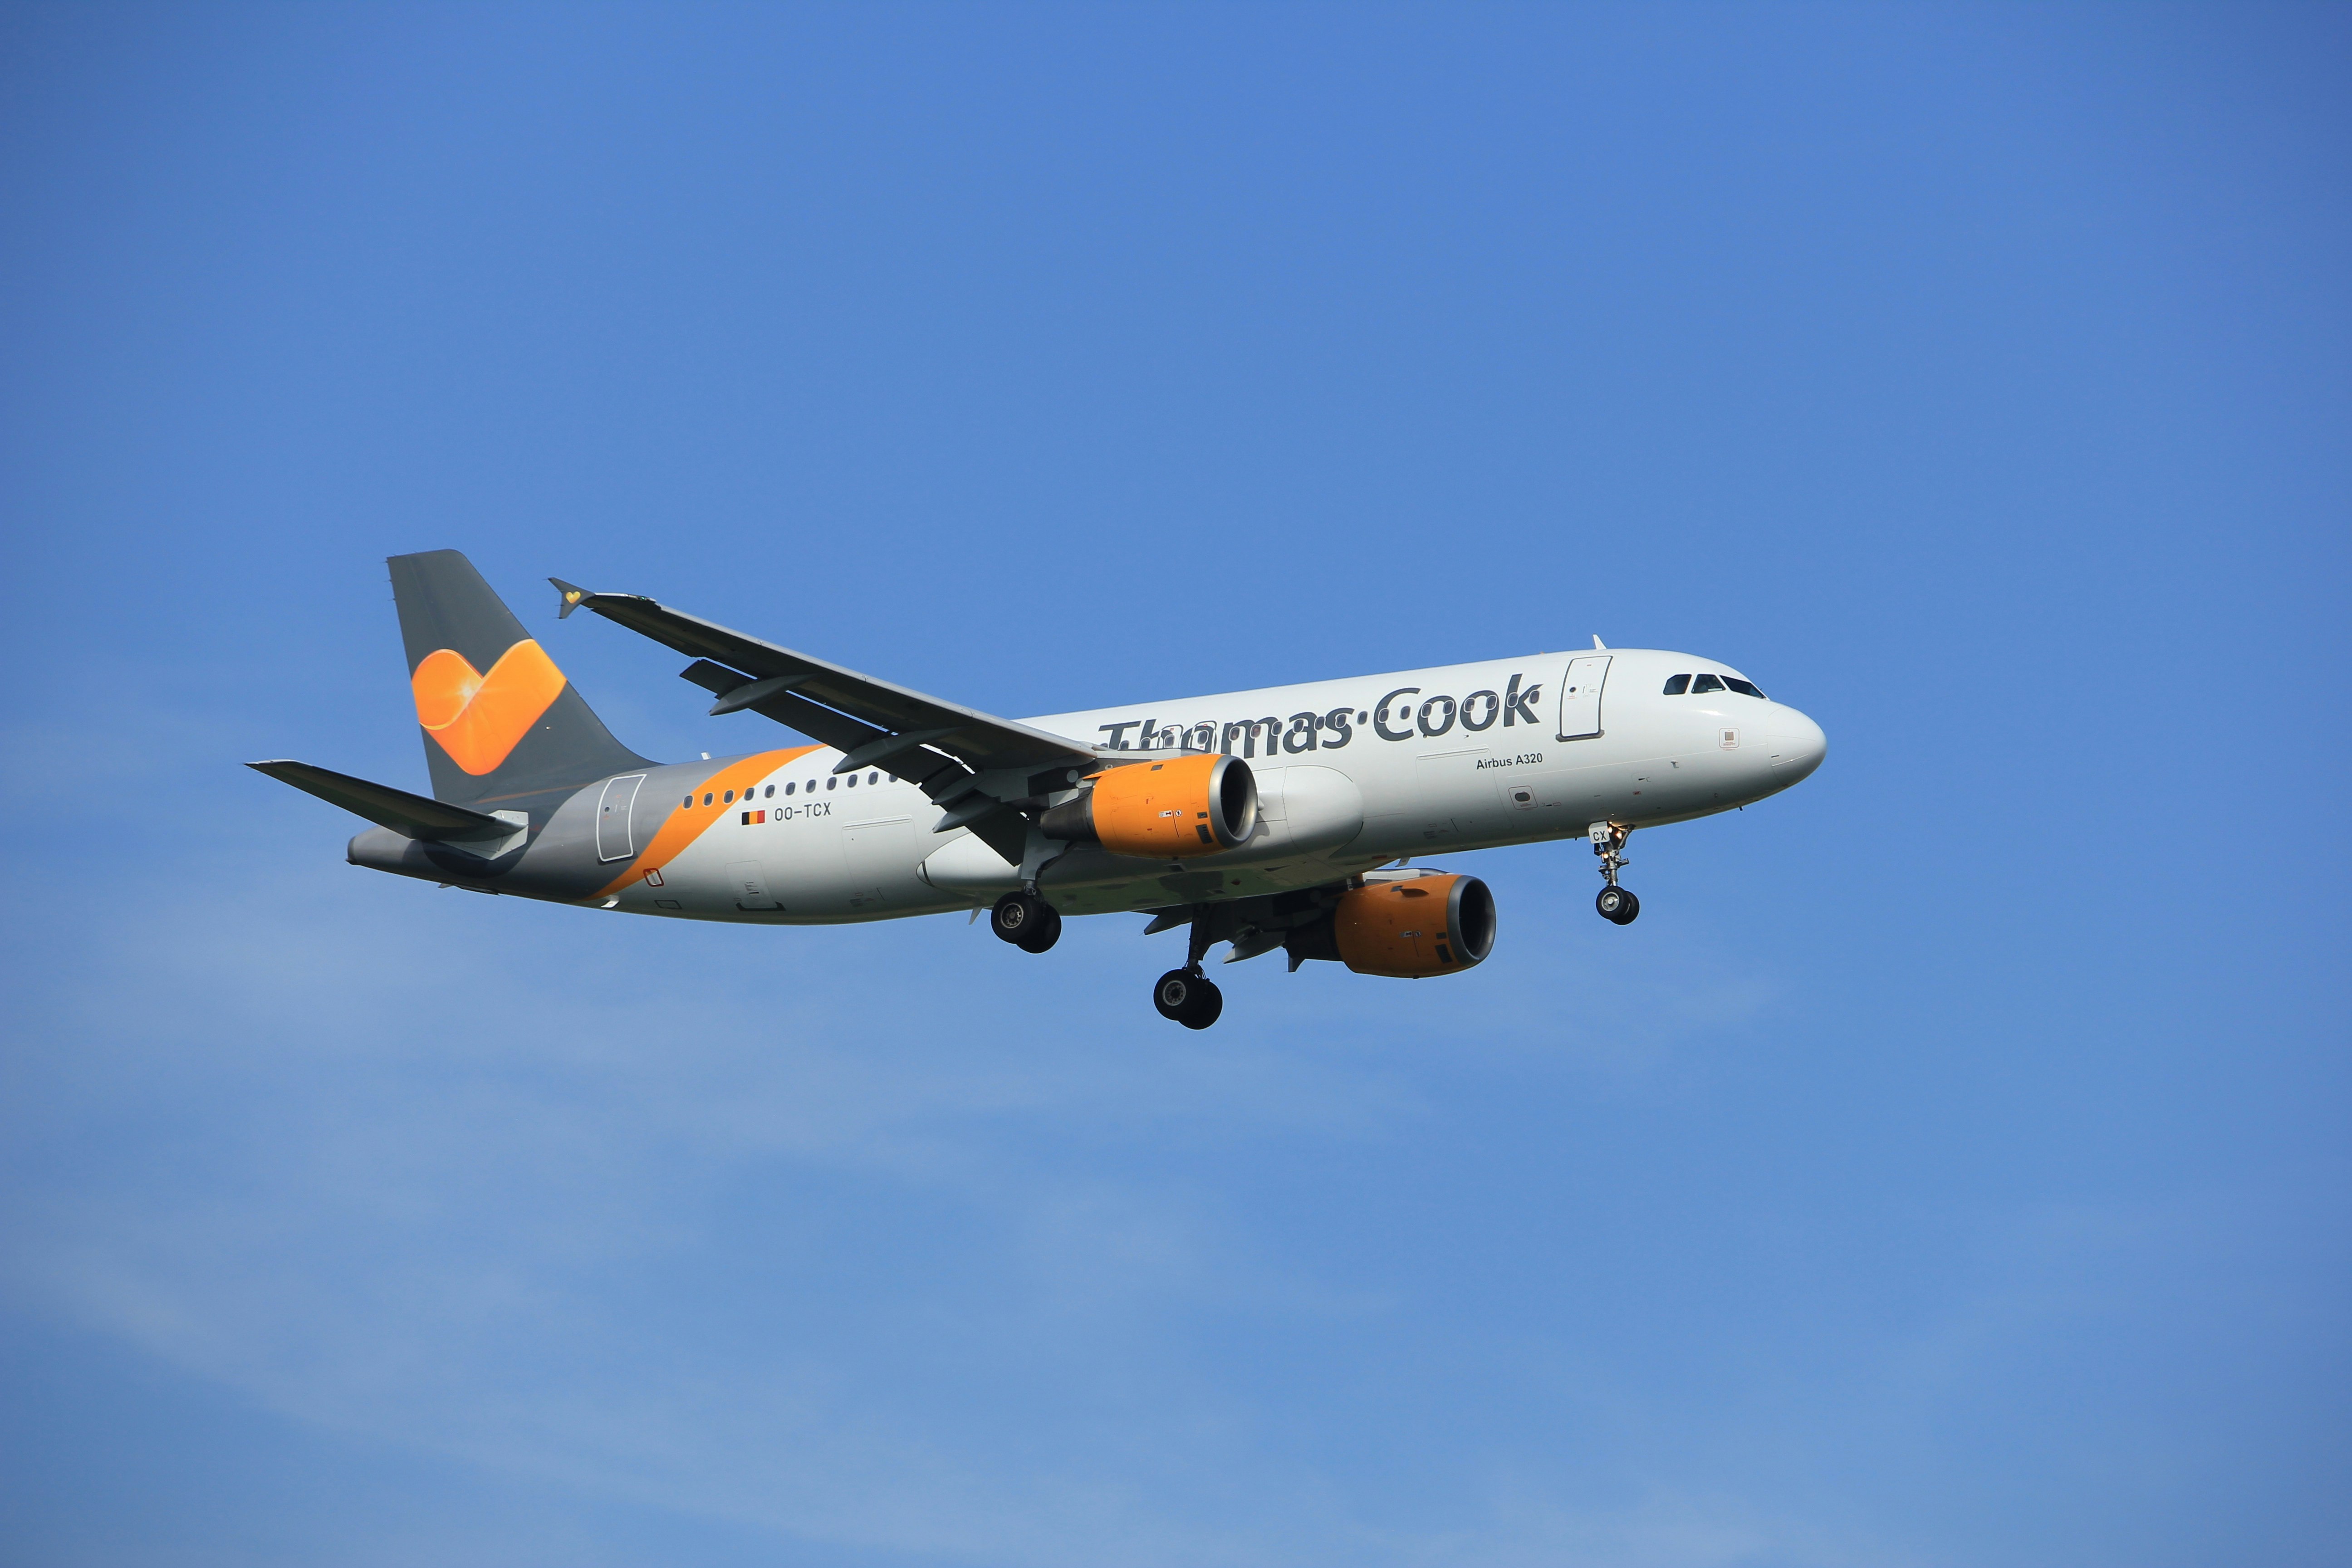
478 719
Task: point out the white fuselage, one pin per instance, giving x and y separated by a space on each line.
1350 773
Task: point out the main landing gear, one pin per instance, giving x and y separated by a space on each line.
1026 921
1616 904
1185 995
1188 997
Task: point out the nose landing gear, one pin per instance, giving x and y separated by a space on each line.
1616 904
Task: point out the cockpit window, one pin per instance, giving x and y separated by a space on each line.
1707 683
1745 688
1677 684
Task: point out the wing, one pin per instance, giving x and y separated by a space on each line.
973 765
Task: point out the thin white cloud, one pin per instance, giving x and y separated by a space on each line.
743 1224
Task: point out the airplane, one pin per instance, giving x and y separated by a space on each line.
1282 819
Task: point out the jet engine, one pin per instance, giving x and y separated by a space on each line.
1433 923
1190 805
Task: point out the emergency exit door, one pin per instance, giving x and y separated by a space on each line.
1580 697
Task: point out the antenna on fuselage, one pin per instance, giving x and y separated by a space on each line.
1598 644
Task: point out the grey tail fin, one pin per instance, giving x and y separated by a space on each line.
499 720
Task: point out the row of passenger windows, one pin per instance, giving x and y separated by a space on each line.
1678 684
791 787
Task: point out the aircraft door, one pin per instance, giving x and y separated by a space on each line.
614 839
874 853
1580 697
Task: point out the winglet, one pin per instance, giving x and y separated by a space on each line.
1596 639
571 596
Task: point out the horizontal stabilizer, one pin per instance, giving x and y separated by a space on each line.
414 815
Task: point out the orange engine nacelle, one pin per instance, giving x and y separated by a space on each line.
1192 805
1406 929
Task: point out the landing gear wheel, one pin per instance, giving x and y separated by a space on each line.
1044 932
1188 999
1614 904
1022 919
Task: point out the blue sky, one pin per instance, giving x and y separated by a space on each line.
1949 1167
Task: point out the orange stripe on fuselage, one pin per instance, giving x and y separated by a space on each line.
686 824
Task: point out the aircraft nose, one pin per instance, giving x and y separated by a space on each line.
1796 746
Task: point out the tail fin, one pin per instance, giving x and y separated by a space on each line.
500 719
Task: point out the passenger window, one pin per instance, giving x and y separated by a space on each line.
853 781
690 803
1677 684
730 797
768 793
789 787
1705 683
831 782
1745 688
706 797
873 778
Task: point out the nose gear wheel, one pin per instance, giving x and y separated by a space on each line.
1616 904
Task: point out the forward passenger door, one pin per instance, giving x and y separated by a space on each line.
1580 697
